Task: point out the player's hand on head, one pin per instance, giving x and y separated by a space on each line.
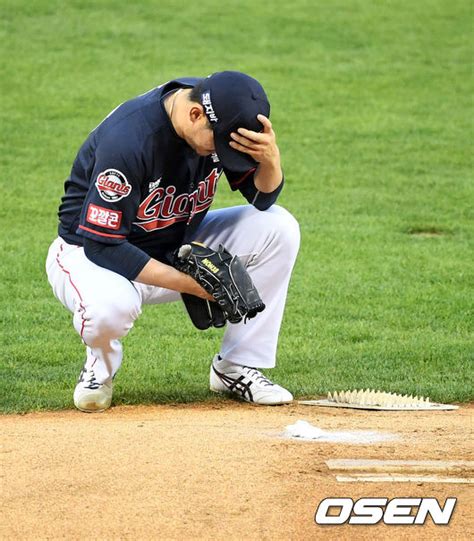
261 146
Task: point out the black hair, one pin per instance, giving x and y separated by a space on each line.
195 96
196 91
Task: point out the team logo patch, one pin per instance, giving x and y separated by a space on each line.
111 219
112 185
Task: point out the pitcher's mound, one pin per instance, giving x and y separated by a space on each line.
214 471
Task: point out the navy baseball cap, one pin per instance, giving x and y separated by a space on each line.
232 100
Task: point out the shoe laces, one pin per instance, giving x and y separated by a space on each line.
91 382
259 377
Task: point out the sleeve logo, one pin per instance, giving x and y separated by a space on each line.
108 218
112 185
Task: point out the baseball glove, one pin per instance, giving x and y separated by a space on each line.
203 313
223 276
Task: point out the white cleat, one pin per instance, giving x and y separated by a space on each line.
246 383
90 395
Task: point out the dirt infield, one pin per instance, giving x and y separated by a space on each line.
215 471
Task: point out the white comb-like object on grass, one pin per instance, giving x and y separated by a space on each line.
377 400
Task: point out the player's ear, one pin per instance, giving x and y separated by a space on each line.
196 113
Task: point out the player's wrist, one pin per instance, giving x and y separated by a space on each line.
268 176
193 288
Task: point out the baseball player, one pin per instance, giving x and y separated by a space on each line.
141 186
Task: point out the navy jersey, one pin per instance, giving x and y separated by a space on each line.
134 180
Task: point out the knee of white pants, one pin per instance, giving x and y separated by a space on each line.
106 320
283 228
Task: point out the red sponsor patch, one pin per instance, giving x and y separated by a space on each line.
111 219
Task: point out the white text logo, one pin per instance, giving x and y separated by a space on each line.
336 511
206 101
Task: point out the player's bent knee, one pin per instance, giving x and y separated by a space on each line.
286 228
104 321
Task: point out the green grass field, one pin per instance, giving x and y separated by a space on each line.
372 105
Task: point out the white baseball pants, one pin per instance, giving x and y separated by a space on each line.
105 304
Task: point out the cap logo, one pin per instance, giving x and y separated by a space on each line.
207 104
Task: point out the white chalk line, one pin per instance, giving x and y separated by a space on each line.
400 478
362 464
401 471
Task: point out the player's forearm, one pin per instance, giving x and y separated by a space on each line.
159 274
263 148
268 176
